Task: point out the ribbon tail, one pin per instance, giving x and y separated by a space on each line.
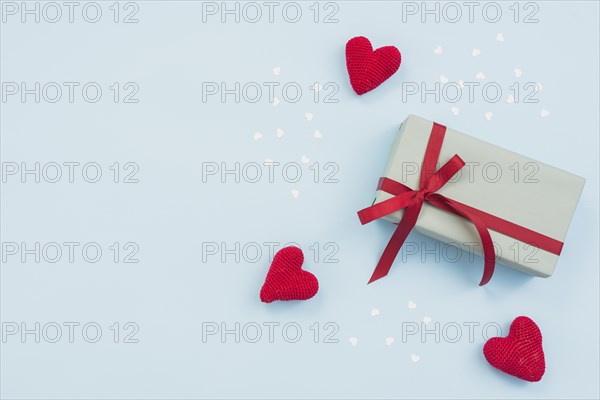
489 254
409 219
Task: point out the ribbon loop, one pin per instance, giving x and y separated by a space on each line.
444 174
384 208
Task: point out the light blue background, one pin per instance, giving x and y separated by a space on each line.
171 212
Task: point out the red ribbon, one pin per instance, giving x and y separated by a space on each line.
430 182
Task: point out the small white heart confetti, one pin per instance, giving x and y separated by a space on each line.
375 312
389 341
538 87
461 83
415 358
438 50
544 113
317 134
275 102
488 115
276 71
305 159
353 341
518 72
443 79
295 193
258 135
500 37
480 76
455 110
476 52
426 320
510 99
280 132
309 116
411 305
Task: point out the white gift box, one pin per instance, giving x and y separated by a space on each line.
497 181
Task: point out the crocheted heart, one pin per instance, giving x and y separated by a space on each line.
286 280
367 68
520 353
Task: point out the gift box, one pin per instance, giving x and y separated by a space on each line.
480 197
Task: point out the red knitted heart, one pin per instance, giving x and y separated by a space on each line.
520 353
367 68
286 280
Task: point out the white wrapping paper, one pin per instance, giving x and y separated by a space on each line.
508 185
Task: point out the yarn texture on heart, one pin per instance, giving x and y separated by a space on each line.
520 353
367 68
286 280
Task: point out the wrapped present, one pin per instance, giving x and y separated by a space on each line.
480 197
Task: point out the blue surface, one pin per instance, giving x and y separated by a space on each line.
172 295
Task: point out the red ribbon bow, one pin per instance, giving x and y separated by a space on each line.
430 182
